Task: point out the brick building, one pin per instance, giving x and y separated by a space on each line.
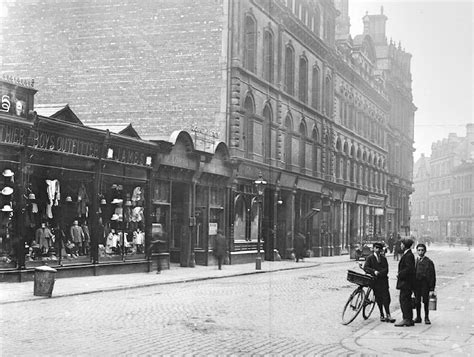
327 119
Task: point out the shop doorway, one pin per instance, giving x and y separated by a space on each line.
180 234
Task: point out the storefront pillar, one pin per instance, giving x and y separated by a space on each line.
290 212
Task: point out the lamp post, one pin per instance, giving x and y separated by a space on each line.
277 201
260 185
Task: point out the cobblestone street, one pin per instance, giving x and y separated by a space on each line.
285 313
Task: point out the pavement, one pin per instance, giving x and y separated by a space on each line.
450 334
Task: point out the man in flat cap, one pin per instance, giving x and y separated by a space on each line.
405 282
376 265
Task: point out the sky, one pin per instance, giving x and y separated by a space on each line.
439 35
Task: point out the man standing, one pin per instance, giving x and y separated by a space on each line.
425 282
405 281
299 246
220 248
376 265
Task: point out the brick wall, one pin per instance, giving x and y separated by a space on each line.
158 64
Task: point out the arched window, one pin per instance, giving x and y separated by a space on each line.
317 21
316 91
314 159
327 96
290 70
249 107
268 57
288 141
303 80
302 148
250 44
267 134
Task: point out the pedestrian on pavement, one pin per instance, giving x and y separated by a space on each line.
425 282
299 246
397 249
376 265
157 239
405 281
220 248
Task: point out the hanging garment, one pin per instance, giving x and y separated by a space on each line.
137 195
137 214
54 196
82 201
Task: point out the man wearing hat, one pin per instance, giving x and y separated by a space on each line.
376 265
405 282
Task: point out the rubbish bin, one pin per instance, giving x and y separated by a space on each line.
44 281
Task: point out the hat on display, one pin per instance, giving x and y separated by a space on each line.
114 186
117 201
115 217
7 208
7 191
31 196
103 201
128 203
8 173
68 199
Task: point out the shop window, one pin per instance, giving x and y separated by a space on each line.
254 219
7 217
240 209
122 216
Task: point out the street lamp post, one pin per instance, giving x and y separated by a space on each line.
260 185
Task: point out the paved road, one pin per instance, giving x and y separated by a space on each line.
293 312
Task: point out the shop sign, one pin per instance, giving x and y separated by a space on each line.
350 195
212 229
10 134
61 143
376 201
16 107
129 156
362 200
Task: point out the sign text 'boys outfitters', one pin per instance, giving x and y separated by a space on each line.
61 143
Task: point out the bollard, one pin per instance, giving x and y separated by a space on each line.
44 281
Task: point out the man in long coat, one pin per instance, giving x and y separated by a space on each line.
405 282
220 248
300 246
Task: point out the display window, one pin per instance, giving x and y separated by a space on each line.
9 213
246 209
56 216
122 225
161 217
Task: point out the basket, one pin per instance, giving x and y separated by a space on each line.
359 279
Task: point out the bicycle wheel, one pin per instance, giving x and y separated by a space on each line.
369 303
353 306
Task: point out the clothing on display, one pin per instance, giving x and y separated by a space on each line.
54 195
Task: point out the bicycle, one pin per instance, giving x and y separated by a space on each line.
362 298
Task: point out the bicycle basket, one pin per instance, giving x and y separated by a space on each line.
359 279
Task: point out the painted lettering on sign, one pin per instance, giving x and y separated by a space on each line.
52 142
129 156
12 135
